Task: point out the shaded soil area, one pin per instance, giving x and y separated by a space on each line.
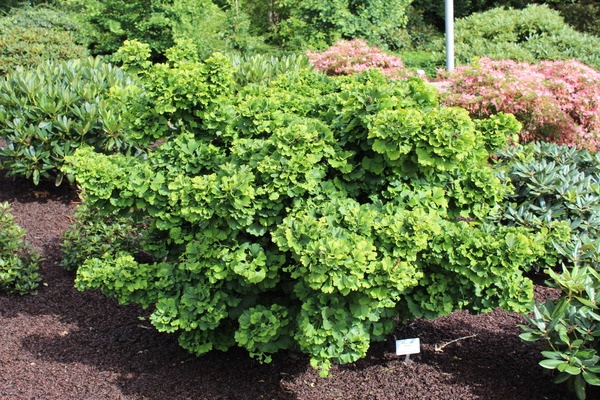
65 344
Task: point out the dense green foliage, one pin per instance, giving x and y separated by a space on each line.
320 23
555 184
304 213
49 111
262 68
583 15
161 23
18 262
534 33
30 36
569 329
93 235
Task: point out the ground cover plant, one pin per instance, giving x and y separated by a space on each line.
18 262
556 101
307 212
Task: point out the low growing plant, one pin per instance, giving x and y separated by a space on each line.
18 261
307 213
556 101
49 111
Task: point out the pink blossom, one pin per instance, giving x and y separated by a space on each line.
557 101
355 56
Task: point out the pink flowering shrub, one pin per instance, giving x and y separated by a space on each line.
556 101
354 56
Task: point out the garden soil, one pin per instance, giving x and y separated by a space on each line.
66 344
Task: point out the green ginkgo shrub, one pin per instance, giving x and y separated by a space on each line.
305 213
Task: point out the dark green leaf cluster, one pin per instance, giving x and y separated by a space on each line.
49 111
569 329
18 262
34 35
555 185
321 23
93 235
305 213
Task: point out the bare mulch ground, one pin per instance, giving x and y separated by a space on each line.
65 344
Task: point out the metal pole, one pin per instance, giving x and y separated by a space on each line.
449 35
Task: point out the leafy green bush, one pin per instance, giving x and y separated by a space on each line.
30 36
555 185
532 34
48 111
18 262
176 93
569 329
307 212
94 235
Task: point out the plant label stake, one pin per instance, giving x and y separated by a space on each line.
406 347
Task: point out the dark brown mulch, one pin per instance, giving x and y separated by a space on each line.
65 344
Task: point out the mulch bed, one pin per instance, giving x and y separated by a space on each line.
65 344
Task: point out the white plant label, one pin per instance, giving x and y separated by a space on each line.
405 347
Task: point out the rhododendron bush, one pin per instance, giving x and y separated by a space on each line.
354 56
556 101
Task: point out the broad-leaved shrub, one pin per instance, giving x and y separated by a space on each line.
48 111
555 184
30 36
308 212
261 68
19 263
568 328
556 101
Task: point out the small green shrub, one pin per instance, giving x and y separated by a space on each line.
50 110
569 329
93 235
18 262
30 36
306 213
532 34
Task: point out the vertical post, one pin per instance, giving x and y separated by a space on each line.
449 35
